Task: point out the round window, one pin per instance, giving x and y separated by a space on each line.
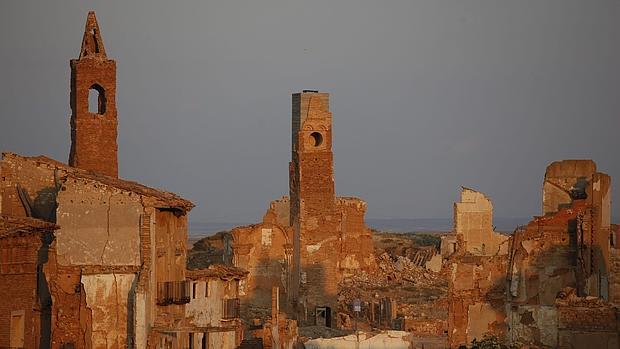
317 138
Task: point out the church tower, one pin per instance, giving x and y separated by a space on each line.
314 216
93 105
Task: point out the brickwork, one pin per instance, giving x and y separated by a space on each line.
23 251
614 277
566 249
93 132
330 237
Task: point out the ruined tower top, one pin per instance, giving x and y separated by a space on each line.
93 105
311 177
312 121
92 44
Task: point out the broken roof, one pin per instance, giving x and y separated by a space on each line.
10 225
159 198
216 271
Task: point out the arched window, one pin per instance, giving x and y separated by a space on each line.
317 138
96 100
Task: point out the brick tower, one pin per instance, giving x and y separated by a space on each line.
314 215
93 127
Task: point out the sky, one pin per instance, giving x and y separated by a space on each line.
426 95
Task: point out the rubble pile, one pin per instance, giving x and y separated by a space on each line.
409 297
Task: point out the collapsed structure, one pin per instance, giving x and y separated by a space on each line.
551 287
309 241
477 272
95 261
562 255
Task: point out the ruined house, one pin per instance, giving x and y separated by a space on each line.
220 326
25 304
552 287
113 273
310 240
276 332
565 251
266 251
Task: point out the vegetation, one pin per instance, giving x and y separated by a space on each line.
488 342
427 240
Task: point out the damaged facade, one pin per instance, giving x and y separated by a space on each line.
211 325
476 272
567 250
25 304
553 286
307 243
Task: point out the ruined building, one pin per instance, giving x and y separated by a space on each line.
477 272
91 260
553 286
309 241
560 263
473 221
24 245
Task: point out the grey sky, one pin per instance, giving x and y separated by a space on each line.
426 95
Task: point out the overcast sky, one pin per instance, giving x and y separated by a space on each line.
426 95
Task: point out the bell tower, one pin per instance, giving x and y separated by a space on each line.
93 105
314 216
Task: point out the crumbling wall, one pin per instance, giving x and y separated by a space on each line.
473 220
213 307
71 318
569 180
586 322
476 298
265 251
614 277
477 274
562 177
38 182
18 289
356 240
107 300
568 248
205 309
100 225
169 262
543 262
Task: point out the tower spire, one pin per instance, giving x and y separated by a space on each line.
92 44
93 106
